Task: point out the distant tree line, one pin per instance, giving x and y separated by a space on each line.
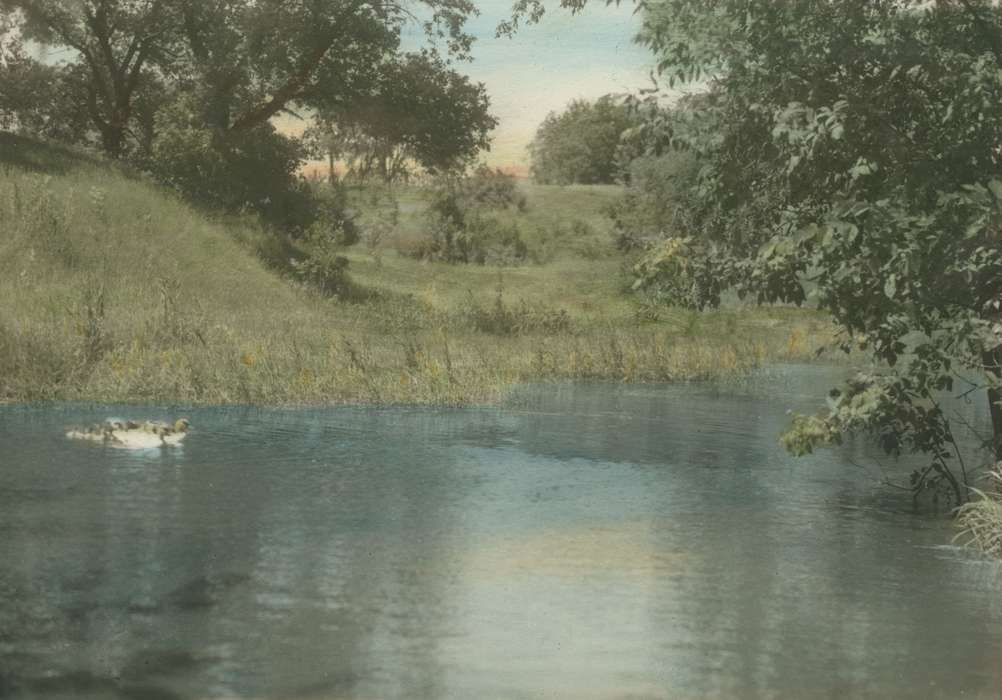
581 145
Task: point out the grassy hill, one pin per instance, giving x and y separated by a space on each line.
115 290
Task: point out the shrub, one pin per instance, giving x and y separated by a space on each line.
461 228
657 201
492 188
478 239
252 170
322 267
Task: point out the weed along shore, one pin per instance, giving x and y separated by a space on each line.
115 290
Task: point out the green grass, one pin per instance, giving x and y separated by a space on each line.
115 290
558 223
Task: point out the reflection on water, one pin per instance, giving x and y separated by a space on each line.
586 542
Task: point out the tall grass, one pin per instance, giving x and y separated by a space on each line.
980 521
113 290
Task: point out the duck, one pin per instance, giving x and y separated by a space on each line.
132 434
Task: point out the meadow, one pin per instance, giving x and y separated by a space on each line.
116 290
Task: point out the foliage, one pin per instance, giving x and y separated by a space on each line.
580 144
253 170
657 201
462 228
492 188
418 111
848 156
473 237
323 267
244 61
188 88
34 97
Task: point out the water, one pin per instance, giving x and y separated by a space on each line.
589 541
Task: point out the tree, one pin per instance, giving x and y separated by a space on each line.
245 61
114 42
188 88
579 145
849 152
417 111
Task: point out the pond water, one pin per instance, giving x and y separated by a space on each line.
587 541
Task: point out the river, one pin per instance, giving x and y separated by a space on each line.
583 541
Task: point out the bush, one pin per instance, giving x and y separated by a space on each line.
492 188
478 239
254 170
656 203
334 221
461 228
322 267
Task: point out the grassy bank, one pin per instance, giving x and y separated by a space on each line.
114 290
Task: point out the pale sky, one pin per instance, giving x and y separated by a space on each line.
545 66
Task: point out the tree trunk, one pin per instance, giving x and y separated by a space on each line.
384 171
993 366
331 174
113 140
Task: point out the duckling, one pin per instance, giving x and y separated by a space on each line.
151 434
94 433
133 434
103 432
174 434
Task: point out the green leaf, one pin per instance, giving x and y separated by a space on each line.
891 286
996 189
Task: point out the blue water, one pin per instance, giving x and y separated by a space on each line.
585 541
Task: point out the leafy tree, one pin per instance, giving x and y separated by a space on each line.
849 153
189 87
114 42
579 145
245 61
418 110
256 169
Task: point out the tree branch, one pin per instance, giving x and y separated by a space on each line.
293 88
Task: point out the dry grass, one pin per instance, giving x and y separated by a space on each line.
116 291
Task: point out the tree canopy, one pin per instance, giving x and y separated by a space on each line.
417 111
244 61
579 145
189 87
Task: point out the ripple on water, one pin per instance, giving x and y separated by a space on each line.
590 541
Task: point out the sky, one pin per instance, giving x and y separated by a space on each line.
545 66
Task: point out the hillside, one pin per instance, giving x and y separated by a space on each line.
115 290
